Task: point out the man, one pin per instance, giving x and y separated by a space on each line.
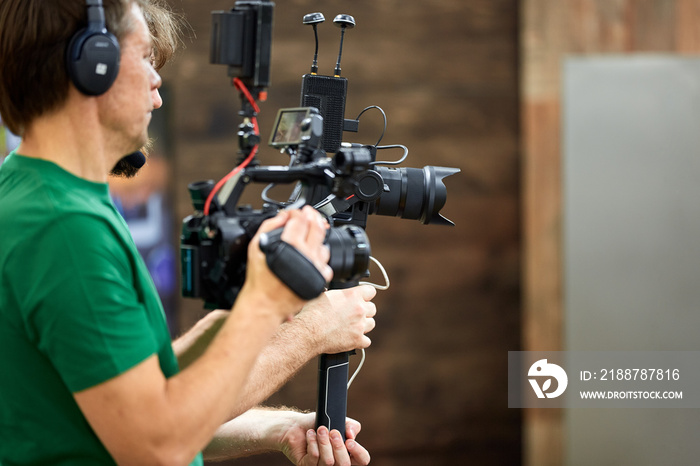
88 374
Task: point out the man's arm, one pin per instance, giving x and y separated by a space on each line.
337 321
190 346
262 430
142 417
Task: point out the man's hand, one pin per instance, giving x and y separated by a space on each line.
262 429
304 446
305 230
340 319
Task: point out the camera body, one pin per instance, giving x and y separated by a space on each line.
213 251
214 246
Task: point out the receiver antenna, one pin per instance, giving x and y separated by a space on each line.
314 19
343 22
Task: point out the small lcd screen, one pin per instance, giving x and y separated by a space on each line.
288 127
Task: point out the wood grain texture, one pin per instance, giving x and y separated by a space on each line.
550 31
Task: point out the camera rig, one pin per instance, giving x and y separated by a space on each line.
343 181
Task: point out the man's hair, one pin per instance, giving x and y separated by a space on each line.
34 35
166 30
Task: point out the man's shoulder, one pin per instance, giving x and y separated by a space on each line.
51 223
38 194
41 181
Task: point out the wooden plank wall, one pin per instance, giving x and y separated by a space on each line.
551 30
433 390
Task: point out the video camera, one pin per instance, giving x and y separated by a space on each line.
343 181
214 246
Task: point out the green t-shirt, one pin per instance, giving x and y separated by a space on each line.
77 307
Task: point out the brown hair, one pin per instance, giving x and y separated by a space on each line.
166 30
34 35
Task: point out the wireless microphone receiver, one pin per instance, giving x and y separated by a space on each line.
328 93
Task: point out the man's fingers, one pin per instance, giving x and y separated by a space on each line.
358 454
352 428
368 292
342 458
365 342
296 229
316 235
275 222
324 446
312 453
305 225
371 309
270 224
306 231
317 226
369 325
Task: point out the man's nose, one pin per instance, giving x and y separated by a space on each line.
156 98
156 82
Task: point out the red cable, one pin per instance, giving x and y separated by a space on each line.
223 180
242 88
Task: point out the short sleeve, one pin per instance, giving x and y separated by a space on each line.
82 307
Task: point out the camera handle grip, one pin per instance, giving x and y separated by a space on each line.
333 371
331 410
291 266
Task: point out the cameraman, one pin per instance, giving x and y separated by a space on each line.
89 375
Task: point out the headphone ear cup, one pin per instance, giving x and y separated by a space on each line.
92 61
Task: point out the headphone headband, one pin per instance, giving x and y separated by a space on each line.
96 15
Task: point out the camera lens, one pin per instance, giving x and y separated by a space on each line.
414 193
350 252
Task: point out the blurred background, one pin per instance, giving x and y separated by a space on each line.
574 124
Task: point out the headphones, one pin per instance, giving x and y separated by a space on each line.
92 56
